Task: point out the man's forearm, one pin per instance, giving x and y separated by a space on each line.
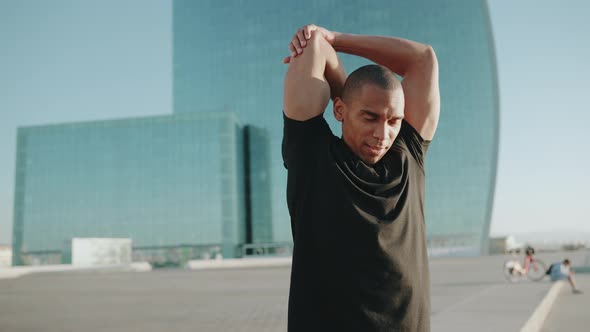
397 54
334 73
313 77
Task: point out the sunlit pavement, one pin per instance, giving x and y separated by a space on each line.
570 311
468 294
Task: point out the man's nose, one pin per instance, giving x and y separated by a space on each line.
379 131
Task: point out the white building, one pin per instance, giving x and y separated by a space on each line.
5 256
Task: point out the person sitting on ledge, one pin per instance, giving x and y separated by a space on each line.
563 271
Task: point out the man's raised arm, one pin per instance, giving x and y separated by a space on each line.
312 78
415 62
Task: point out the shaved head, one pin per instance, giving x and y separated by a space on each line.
371 110
377 75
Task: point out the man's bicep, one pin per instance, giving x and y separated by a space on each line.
306 90
422 96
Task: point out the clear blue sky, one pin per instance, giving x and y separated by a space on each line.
64 61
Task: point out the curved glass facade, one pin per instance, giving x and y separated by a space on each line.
199 181
227 55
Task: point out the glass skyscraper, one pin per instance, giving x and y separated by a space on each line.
166 182
227 55
258 184
209 179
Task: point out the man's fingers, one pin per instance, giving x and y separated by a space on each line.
296 46
299 41
308 29
292 49
287 59
301 38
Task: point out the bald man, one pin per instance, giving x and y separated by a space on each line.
357 202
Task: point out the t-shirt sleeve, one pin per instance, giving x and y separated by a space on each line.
301 137
413 142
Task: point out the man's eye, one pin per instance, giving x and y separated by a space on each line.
370 119
393 122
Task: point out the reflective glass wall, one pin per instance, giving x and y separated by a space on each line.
174 181
227 55
258 186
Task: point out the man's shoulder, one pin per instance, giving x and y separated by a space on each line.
316 122
409 141
301 138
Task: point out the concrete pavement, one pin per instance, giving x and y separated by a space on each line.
468 294
570 312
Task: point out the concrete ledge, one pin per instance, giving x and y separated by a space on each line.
17 271
535 322
238 263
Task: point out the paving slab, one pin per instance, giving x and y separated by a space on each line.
570 312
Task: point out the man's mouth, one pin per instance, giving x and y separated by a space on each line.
376 148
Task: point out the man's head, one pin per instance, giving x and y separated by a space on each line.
566 262
371 111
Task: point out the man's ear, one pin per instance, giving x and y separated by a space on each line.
339 109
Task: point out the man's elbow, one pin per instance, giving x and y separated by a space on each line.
425 63
428 57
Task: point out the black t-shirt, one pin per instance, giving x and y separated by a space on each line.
359 258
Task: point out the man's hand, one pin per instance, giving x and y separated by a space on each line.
301 37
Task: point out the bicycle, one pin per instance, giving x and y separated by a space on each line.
514 272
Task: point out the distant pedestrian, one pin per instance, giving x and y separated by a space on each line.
563 271
528 258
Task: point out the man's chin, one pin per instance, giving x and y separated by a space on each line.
371 156
372 160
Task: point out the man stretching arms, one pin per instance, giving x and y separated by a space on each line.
357 202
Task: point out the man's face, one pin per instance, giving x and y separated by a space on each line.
371 121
